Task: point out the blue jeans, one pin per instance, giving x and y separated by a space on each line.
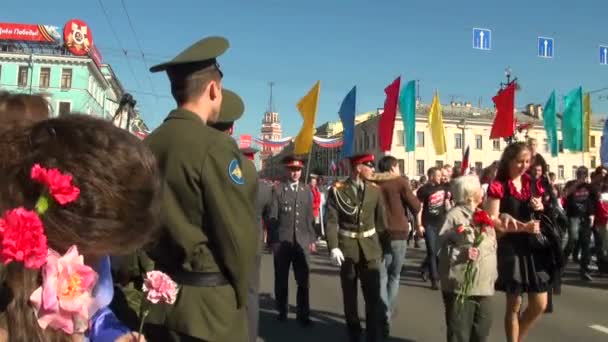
390 273
431 233
580 232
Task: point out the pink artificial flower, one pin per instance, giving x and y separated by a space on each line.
63 300
159 287
59 184
460 229
23 238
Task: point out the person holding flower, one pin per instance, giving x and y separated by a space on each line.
68 199
524 266
467 264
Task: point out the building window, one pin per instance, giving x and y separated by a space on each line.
478 142
478 167
401 166
457 164
593 162
458 140
23 75
419 167
560 145
399 138
592 141
66 78
574 172
64 108
419 139
45 77
560 172
496 145
439 163
546 145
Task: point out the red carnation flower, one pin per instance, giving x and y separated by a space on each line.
59 184
460 229
23 238
482 218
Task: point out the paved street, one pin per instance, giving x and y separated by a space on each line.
420 310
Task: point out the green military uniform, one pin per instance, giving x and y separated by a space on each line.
355 220
208 236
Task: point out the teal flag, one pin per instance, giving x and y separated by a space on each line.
572 120
407 106
550 117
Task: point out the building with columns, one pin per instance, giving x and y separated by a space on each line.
464 125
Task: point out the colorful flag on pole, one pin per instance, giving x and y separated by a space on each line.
407 106
333 167
586 121
550 119
436 126
387 120
465 162
347 116
572 120
308 109
504 121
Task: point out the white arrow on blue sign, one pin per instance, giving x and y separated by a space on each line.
482 39
545 47
603 55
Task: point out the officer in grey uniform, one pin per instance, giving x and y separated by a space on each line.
292 237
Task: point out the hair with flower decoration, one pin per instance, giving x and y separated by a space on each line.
81 189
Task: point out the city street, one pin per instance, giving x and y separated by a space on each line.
581 312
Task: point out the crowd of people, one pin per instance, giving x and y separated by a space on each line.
89 211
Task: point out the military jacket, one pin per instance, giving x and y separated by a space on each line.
292 217
208 223
351 212
263 206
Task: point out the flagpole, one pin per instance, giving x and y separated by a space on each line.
308 162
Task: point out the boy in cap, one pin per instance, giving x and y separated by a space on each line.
292 236
205 247
355 220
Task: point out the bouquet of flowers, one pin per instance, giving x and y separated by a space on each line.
481 223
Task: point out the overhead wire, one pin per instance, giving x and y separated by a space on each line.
143 56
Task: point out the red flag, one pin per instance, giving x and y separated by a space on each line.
504 122
387 120
465 162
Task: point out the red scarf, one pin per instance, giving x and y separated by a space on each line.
316 201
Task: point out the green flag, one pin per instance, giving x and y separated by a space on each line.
407 106
572 120
551 124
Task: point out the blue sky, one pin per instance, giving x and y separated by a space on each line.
345 43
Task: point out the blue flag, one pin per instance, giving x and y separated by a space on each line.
347 116
550 117
407 106
604 145
572 120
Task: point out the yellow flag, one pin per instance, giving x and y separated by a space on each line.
436 126
308 109
586 121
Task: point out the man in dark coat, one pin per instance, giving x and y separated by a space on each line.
292 237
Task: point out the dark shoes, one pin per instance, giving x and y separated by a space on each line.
282 317
305 322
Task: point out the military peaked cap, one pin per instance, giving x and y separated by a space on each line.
232 107
198 56
363 158
293 162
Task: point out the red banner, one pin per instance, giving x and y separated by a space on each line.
245 141
25 32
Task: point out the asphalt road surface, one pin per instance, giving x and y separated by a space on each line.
581 312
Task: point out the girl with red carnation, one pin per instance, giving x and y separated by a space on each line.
73 191
513 198
467 264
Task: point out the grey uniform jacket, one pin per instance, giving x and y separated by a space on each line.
291 213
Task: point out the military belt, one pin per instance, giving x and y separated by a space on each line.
356 235
199 279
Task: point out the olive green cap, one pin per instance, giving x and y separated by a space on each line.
232 107
201 54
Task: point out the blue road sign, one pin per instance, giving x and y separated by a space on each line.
482 39
603 55
545 47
